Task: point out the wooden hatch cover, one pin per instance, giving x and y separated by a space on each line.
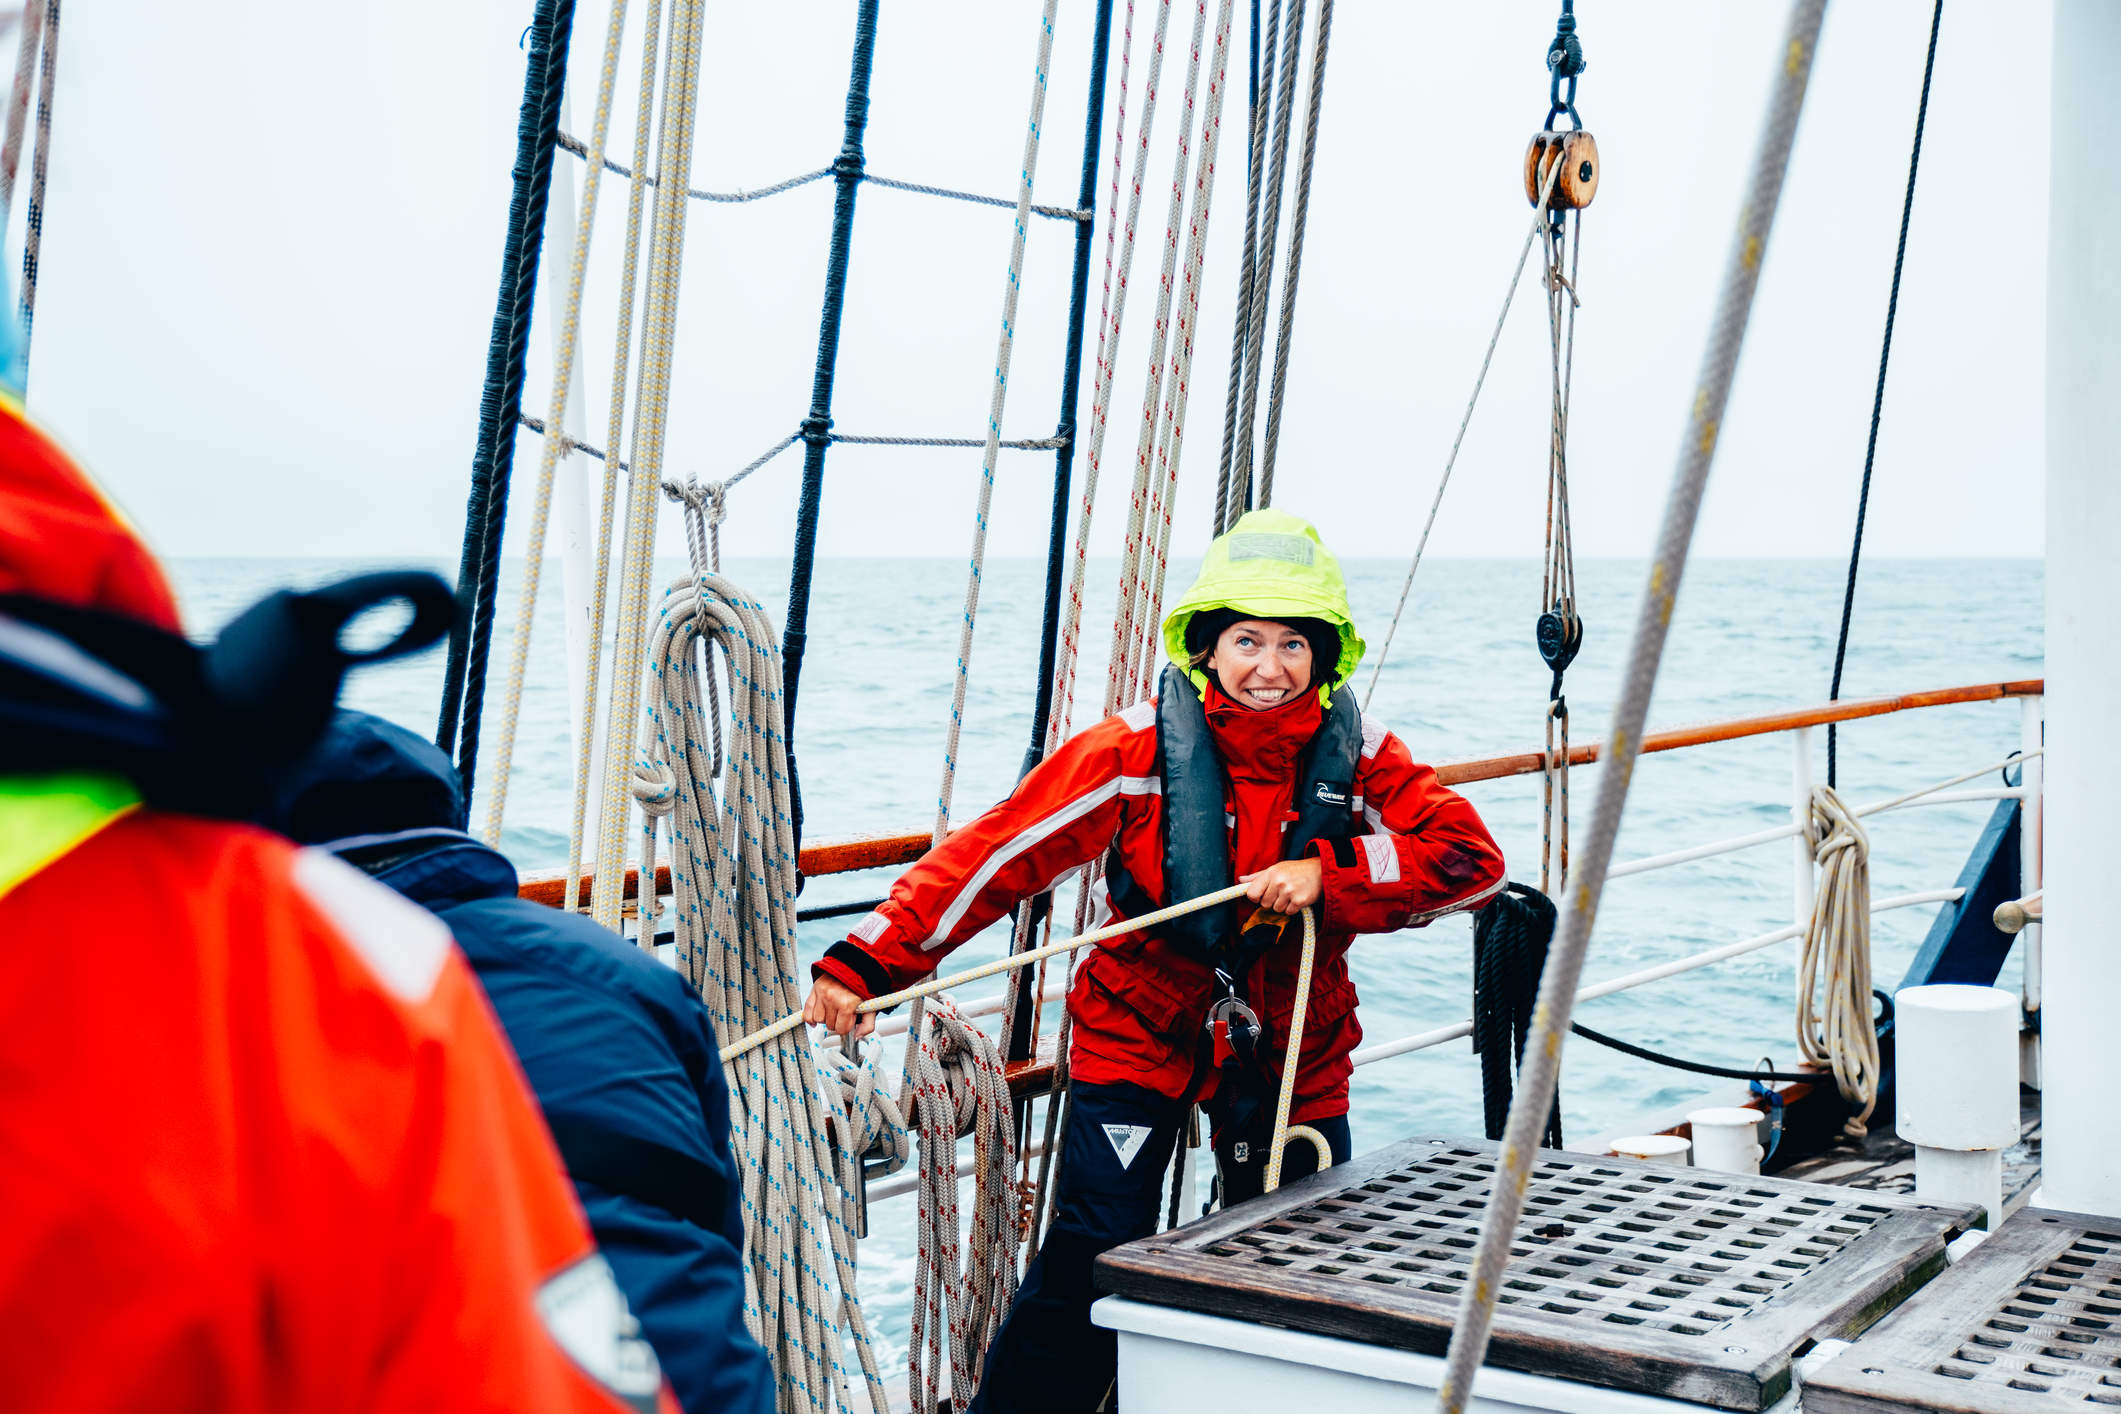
1672 1281
2028 1321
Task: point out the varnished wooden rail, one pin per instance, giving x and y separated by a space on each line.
883 851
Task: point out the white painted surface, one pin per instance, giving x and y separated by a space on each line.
1171 1359
2032 736
2081 971
1961 1176
1958 1066
1653 1148
1727 1139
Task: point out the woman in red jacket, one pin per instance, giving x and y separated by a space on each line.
1254 764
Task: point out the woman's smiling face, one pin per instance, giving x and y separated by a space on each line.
1261 663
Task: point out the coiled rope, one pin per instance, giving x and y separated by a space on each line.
733 916
1557 989
1838 1029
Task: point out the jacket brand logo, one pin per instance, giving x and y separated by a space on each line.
1329 796
1127 1141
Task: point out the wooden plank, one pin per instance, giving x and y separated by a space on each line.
1675 1282
2028 1321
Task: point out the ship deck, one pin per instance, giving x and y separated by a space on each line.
1883 1162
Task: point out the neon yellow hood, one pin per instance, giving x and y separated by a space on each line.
1273 565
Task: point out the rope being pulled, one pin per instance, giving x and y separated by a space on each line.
1838 1029
733 916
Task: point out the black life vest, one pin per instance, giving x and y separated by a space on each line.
1196 829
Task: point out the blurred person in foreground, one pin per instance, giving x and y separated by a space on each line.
261 1144
618 1049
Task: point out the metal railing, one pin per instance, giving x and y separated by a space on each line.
1799 726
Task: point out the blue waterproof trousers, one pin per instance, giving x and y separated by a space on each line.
1116 1163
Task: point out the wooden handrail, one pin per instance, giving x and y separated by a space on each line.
883 851
1524 763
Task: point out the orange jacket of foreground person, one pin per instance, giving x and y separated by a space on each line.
262 1146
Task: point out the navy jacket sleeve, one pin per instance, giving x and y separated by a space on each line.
622 1057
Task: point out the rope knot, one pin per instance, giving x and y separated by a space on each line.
655 787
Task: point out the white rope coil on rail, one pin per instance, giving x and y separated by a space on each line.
1839 1029
733 915
1579 904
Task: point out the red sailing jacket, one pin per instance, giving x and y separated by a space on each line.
262 1144
1139 1004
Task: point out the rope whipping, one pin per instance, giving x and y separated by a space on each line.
1465 420
816 428
1286 334
666 250
39 170
563 369
1837 1029
501 397
733 864
1885 355
1557 989
585 765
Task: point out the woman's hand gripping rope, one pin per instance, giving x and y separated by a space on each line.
1288 887
1001 964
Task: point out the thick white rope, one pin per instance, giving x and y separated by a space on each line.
1564 967
1292 1055
1465 420
733 916
556 445
1839 1029
585 755
658 344
1005 345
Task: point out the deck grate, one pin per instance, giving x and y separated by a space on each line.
2030 1320
1642 1276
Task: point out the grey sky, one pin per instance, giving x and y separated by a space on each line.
274 230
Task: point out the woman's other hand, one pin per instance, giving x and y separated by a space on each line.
1286 887
832 1006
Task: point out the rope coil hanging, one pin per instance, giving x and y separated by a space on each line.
1838 1029
733 920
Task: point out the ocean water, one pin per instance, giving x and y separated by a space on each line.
1463 679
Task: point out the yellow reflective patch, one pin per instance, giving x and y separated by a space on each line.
43 818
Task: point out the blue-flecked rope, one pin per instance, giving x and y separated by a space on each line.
732 868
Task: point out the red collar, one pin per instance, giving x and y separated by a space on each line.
1261 744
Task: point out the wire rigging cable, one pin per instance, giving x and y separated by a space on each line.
1885 355
1564 967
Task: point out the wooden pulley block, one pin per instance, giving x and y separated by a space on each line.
1578 181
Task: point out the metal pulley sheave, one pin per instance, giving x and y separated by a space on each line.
1577 181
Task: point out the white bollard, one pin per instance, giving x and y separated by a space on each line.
1727 1138
1958 1090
